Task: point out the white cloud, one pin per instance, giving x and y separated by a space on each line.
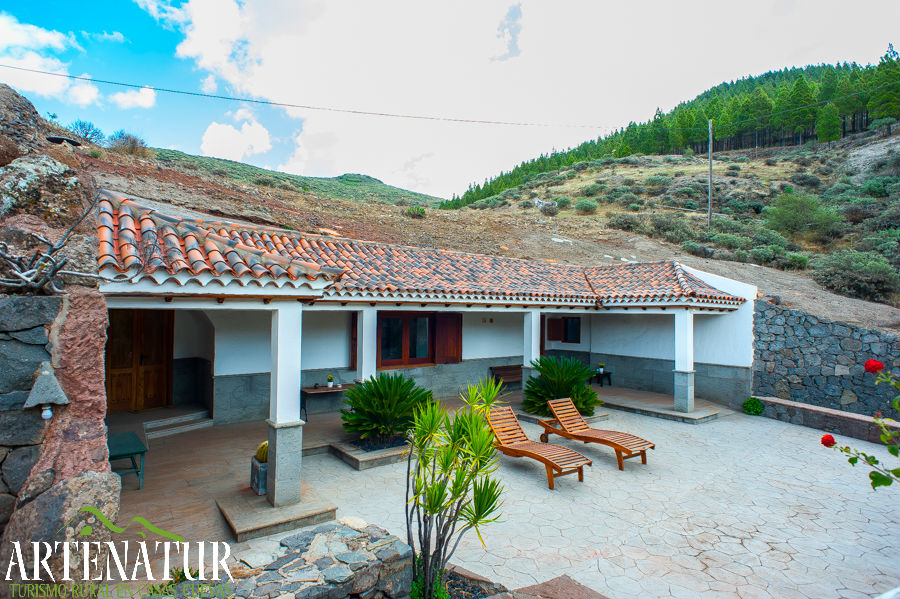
226 141
116 36
161 10
14 34
209 85
83 93
135 98
584 62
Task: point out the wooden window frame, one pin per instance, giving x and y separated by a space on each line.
565 330
405 361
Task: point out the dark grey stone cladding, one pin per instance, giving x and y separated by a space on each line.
446 380
729 385
192 382
803 358
241 397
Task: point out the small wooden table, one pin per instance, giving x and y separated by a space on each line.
604 375
304 391
128 446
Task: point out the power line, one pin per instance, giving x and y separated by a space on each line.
306 106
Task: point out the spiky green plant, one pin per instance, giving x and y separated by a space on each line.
262 452
558 378
383 407
449 489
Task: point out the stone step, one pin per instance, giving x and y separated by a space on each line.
165 422
174 428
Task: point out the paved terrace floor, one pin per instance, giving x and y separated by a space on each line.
737 507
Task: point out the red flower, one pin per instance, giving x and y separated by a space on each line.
874 366
828 441
878 414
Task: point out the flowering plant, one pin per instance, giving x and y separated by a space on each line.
330 377
881 475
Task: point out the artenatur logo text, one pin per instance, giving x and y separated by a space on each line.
106 569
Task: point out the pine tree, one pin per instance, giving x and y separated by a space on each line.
828 123
885 100
803 114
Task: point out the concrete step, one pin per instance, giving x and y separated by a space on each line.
199 414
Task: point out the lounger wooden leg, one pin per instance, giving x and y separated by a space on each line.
621 460
549 476
644 457
581 474
544 438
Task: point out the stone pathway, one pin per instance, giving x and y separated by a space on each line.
739 507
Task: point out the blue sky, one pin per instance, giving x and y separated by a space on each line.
578 62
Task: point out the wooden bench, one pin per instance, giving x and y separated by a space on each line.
125 446
507 374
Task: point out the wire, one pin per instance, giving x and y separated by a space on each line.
305 106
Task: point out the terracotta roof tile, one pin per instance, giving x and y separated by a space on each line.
353 268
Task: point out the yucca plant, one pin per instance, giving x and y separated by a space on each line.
558 378
449 489
383 408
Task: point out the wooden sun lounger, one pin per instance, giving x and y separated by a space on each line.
512 441
571 425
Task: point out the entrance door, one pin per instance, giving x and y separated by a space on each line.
139 359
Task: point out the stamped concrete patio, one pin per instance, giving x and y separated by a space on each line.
736 507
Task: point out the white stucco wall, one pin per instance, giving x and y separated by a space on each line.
726 338
640 335
492 335
583 345
194 335
326 340
242 341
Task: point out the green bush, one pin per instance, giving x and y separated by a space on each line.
692 247
753 406
672 227
625 222
762 255
591 190
796 261
557 378
806 180
128 143
733 167
771 161
741 256
526 204
763 236
886 243
658 182
866 275
586 205
563 201
877 187
95 153
688 152
634 207
732 242
415 212
383 408
795 213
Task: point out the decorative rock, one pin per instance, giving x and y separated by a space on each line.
17 466
847 397
354 522
35 336
7 503
339 573
20 313
19 360
35 486
841 370
298 542
22 428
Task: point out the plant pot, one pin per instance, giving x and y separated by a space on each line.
258 473
600 371
331 383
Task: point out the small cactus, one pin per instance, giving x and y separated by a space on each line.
262 452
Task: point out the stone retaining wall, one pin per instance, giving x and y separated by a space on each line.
803 358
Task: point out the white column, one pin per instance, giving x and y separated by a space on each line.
531 347
366 343
684 360
285 426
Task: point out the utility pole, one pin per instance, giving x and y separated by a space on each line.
709 188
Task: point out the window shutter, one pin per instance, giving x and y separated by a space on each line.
354 320
448 337
554 329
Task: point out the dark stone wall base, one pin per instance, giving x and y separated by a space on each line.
241 397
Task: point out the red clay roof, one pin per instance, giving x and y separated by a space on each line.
201 250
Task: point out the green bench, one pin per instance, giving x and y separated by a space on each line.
124 446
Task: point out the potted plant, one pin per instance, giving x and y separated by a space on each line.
259 468
330 380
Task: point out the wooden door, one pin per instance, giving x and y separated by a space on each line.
139 359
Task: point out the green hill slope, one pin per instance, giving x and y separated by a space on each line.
359 188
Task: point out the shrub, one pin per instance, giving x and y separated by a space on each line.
556 378
95 153
591 190
549 209
732 242
265 181
629 198
753 406
625 222
563 201
886 243
526 204
733 167
762 255
795 213
877 187
87 131
763 236
688 152
771 161
382 408
806 180
692 247
127 143
671 227
586 205
415 212
634 207
866 275
741 256
796 261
